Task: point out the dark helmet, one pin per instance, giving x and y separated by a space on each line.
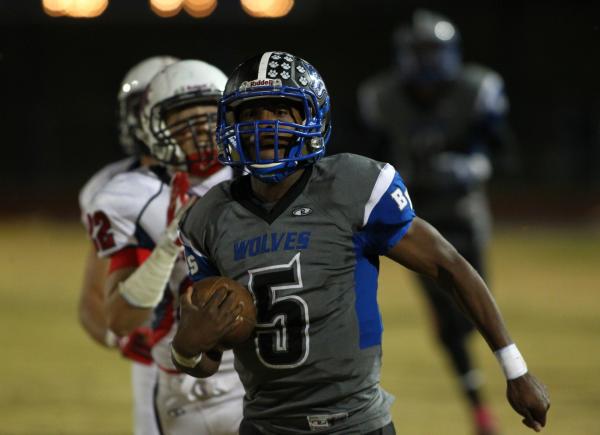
428 50
274 74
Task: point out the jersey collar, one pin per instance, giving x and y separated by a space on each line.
241 191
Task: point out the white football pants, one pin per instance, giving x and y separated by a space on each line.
143 381
191 406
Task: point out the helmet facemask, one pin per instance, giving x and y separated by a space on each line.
184 128
290 145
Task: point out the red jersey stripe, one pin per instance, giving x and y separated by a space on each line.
131 256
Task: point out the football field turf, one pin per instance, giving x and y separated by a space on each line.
54 380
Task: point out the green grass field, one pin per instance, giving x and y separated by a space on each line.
54 380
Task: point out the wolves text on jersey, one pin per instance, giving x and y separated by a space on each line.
290 241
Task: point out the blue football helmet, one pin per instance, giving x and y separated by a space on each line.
277 75
428 50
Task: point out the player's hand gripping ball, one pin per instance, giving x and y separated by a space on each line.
244 323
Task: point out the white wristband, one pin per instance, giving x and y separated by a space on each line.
512 362
144 288
189 362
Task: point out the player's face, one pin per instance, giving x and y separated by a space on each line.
269 109
193 128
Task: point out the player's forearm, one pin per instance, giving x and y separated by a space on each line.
92 318
432 255
470 292
91 300
122 317
424 250
134 292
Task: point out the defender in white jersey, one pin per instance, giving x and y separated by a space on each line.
305 235
147 271
91 304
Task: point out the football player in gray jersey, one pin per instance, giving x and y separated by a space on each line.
304 234
439 121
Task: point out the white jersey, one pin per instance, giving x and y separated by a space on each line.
143 376
129 216
98 181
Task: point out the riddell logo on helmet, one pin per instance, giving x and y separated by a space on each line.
260 82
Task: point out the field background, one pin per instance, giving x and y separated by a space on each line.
54 380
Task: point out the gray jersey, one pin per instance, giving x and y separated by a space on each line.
441 150
311 263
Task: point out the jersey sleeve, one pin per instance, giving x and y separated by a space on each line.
192 231
112 226
95 184
199 265
387 214
113 215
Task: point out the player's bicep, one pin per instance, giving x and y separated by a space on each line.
424 250
94 275
91 299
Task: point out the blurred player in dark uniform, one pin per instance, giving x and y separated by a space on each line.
304 234
439 122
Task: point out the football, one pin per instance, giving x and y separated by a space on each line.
246 321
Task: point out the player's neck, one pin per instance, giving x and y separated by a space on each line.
147 161
268 192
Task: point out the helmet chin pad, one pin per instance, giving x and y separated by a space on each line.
272 175
203 163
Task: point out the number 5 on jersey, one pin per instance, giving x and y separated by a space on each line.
282 322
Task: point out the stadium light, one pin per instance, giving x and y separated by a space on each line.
74 8
267 8
55 8
199 8
88 8
280 8
166 8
